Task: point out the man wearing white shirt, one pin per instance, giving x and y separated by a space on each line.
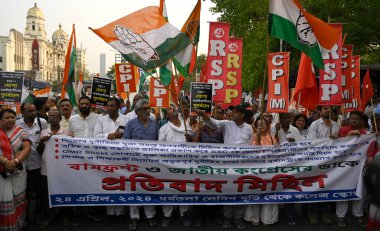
108 127
235 132
174 131
83 124
284 131
322 128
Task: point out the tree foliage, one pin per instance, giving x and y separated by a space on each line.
248 19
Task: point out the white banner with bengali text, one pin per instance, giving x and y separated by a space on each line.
83 172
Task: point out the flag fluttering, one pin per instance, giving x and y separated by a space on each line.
305 32
46 92
166 69
367 89
68 90
80 84
306 90
144 38
186 58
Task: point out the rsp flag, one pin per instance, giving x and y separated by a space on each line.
330 80
278 82
217 59
125 74
234 70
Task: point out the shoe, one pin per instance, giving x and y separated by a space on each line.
240 223
75 221
152 222
66 221
227 223
133 225
186 220
326 218
291 222
255 223
341 223
359 221
166 222
313 218
94 217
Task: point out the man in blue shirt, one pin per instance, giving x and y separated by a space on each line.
141 128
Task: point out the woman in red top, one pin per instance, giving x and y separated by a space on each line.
357 123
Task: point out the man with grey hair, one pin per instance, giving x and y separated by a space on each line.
131 115
141 128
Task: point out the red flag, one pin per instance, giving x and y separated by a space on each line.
278 82
193 60
202 77
367 89
176 87
306 84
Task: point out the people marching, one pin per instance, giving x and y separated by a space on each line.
24 173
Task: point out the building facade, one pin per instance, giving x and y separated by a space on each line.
32 51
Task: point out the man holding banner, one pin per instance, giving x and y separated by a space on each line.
141 128
235 132
110 127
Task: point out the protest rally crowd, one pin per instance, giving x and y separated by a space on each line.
23 160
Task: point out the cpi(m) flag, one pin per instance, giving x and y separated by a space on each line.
290 22
367 90
306 90
278 82
68 90
144 38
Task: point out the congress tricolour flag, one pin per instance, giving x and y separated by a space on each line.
166 69
68 90
144 38
290 22
191 27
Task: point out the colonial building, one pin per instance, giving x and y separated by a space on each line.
33 52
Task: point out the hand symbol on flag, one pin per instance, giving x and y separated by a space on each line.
135 43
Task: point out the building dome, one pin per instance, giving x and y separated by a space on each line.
60 35
36 12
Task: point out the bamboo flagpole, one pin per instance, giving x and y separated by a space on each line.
181 104
374 117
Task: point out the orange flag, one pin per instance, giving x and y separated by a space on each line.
367 89
306 84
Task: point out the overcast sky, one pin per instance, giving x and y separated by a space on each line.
95 14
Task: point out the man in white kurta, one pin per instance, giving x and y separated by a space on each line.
108 127
174 131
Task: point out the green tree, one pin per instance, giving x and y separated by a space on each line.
111 72
201 60
248 20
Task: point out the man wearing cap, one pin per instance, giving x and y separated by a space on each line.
235 132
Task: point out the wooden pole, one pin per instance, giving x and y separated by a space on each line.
374 117
181 104
265 76
299 100
330 121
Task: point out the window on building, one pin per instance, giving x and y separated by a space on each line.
33 26
1 59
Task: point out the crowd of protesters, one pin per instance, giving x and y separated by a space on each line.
23 180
